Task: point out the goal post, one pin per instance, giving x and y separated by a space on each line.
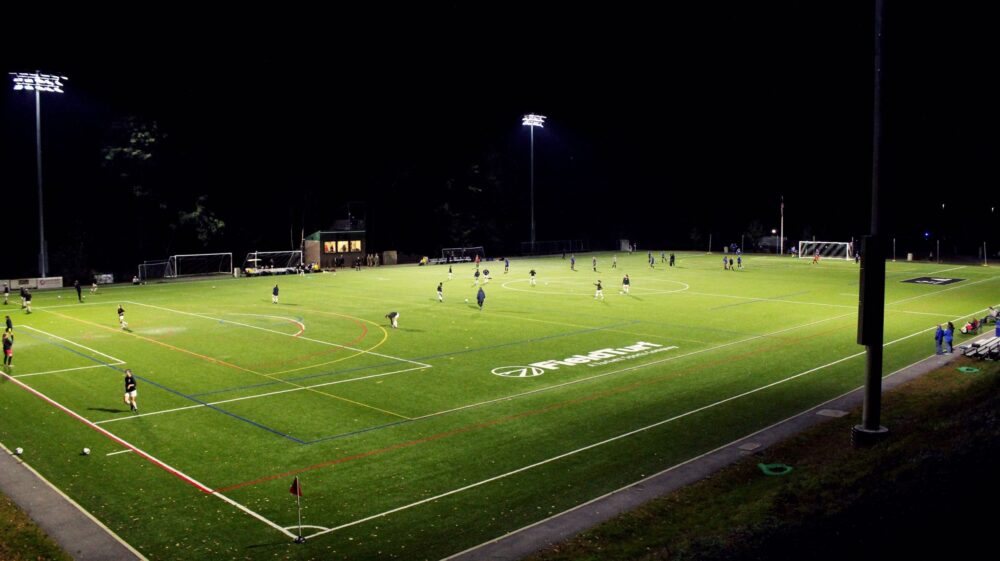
827 250
462 253
152 270
272 261
198 264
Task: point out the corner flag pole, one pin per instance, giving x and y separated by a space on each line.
296 490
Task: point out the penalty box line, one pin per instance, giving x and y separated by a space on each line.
145 455
268 394
321 342
609 440
52 335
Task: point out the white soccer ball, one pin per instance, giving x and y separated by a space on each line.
466 300
59 296
86 451
18 451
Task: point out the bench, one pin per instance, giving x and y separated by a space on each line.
984 348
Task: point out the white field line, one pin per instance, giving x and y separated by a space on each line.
946 270
64 306
809 303
280 333
149 457
68 369
609 440
296 389
76 505
118 452
113 359
936 292
668 470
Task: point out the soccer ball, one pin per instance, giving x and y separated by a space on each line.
86 451
59 296
18 451
621 292
466 300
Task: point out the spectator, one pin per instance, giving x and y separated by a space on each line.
938 338
949 335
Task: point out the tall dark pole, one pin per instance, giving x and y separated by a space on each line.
871 306
532 189
43 259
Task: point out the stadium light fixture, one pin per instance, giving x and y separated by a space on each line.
531 121
39 83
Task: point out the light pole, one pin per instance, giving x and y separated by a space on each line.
39 83
781 238
531 121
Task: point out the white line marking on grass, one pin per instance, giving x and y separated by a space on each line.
118 452
73 343
69 369
279 333
302 327
946 270
608 440
148 457
268 394
667 470
936 292
76 505
822 303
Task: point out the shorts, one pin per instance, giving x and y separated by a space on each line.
8 352
130 394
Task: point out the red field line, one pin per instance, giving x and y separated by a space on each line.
358 339
112 437
531 413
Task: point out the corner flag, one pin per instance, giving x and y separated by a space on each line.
296 489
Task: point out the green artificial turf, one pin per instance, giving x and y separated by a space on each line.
406 443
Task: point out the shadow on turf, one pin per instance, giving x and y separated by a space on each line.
107 410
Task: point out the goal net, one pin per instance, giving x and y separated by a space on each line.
152 270
272 262
199 264
462 253
827 250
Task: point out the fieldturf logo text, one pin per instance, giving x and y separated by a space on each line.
599 357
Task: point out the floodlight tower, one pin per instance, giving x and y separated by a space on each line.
531 121
38 83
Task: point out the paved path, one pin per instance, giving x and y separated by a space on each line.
73 528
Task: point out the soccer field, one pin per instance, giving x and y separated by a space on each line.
457 427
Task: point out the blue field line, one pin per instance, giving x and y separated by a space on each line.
173 391
419 358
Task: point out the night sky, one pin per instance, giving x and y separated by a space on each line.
660 122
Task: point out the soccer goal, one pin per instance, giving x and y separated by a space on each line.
827 250
152 270
199 264
450 254
272 262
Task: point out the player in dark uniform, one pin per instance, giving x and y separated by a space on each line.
6 293
506 265
8 348
10 325
79 290
393 318
130 391
626 284
449 272
440 292
121 317
671 259
532 273
481 297
476 274
600 290
593 263
274 294
27 300
24 294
